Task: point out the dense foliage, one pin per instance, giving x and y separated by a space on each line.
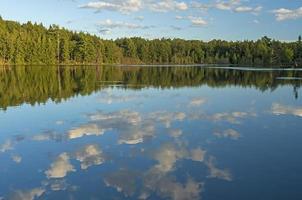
24 84
34 44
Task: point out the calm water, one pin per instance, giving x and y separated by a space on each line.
176 133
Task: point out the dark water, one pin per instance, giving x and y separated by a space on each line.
176 133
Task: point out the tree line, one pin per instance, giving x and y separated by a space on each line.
35 44
37 84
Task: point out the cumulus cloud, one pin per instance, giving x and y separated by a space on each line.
282 14
109 24
248 9
229 133
123 6
89 156
279 109
28 194
227 5
197 21
168 5
129 6
60 167
230 5
139 18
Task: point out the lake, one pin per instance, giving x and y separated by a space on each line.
179 133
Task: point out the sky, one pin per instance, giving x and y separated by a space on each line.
187 19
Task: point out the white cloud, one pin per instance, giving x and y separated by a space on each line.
109 24
168 5
123 6
129 6
279 109
197 21
256 21
89 156
139 18
227 5
230 5
178 17
60 167
282 14
248 9
27 195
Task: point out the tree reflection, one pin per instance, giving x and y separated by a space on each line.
38 84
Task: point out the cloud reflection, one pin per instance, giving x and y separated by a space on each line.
215 172
60 167
231 117
6 146
27 195
195 102
229 133
90 155
168 154
16 158
85 130
279 109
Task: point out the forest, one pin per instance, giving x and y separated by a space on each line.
37 84
34 44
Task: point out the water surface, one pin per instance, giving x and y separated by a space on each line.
150 133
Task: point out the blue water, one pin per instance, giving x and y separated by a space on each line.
201 142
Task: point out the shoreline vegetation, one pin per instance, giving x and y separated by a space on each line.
34 44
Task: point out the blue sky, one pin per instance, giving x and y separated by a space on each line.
188 19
